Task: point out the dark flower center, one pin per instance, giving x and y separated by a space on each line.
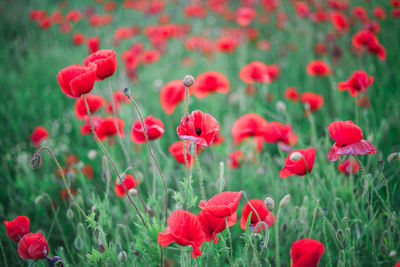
198 131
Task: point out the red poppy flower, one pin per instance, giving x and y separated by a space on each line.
71 159
17 228
349 166
129 182
45 23
74 15
171 95
33 246
249 125
195 10
87 171
176 150
299 162
358 82
363 102
257 207
222 205
87 128
302 9
185 229
277 132
348 138
245 15
218 139
76 80
105 61
149 57
313 102
198 127
379 12
78 38
235 159
306 252
63 193
339 21
107 128
95 102
154 129
272 72
93 44
318 68
38 135
255 71
360 13
226 45
36 15
263 45
291 94
213 225
210 82
321 49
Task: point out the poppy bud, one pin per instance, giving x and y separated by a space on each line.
392 254
339 235
188 81
220 184
269 203
132 192
280 106
36 161
38 199
70 214
127 92
78 243
33 246
284 201
392 156
122 256
92 154
295 156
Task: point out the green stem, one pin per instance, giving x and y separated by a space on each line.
201 182
4 255
230 241
277 259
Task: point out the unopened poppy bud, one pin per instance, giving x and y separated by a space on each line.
188 81
392 156
92 154
280 106
70 214
36 161
38 199
78 243
269 203
392 254
220 184
132 192
284 201
122 256
339 235
127 92
295 156
381 165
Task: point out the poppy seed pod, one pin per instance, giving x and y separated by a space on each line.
269 203
284 201
188 81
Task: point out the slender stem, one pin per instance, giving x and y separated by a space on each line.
4 255
112 162
202 190
230 241
277 259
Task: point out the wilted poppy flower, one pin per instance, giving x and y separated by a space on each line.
95 102
198 127
105 61
257 208
38 135
291 94
235 159
245 15
17 228
299 162
177 149
154 130
93 44
76 80
348 166
129 182
222 205
107 128
255 71
78 38
171 95
87 128
210 82
226 45
185 229
348 138
339 21
358 82
249 125
213 225
311 101
33 246
318 68
306 252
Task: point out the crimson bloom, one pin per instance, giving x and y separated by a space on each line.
348 138
283 134
313 101
107 128
318 68
358 82
87 128
306 252
38 135
78 38
198 127
213 225
235 159
93 44
249 125
291 94
95 102
245 15
299 162
129 182
106 62
171 95
210 82
33 246
154 130
222 205
185 229
17 228
177 149
255 71
339 21
349 166
226 44
76 80
257 208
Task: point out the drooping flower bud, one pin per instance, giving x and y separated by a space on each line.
269 203
284 201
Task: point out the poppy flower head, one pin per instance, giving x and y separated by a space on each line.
17 228
226 44
105 61
222 205
299 162
195 10
379 12
95 102
107 128
349 166
78 38
318 68
171 95
185 229
212 225
76 80
33 246
210 82
177 149
358 82
291 94
339 21
245 15
306 252
154 130
259 213
93 44
38 135
302 9
312 101
87 128
249 125
198 127
149 57
235 159
129 182
253 72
